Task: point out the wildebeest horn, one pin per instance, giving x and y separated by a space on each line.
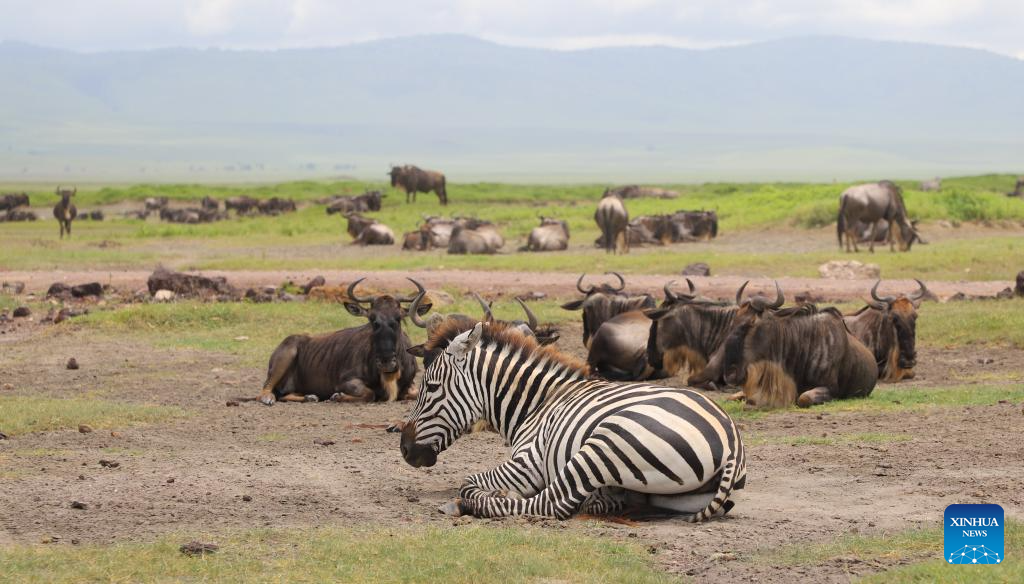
920 293
414 310
419 290
874 294
622 281
668 291
580 288
689 283
531 318
780 299
739 293
487 308
352 292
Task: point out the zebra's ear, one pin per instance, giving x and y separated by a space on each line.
463 344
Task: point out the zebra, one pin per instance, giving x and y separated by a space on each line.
577 444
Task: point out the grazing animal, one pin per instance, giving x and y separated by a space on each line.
934 185
65 211
413 179
613 221
798 355
578 445
364 363
11 201
600 304
887 326
871 203
242 205
551 235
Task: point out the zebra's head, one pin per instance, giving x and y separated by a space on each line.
446 406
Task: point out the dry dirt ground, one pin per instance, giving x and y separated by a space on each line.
189 475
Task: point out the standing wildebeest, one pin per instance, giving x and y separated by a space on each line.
473 236
888 328
65 211
413 179
613 221
364 363
600 304
243 205
871 203
209 203
798 355
367 231
934 185
1018 190
551 235
11 201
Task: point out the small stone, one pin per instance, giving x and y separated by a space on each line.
697 269
849 270
163 295
246 498
109 463
21 312
721 556
232 404
170 480
412 499
84 428
116 435
79 505
72 364
323 442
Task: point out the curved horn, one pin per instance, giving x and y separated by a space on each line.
920 293
739 293
874 294
414 311
420 290
531 318
622 281
488 316
693 289
580 288
780 299
352 292
669 295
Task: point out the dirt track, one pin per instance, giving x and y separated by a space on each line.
190 475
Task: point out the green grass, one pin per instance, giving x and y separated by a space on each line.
25 414
912 545
469 555
889 398
961 323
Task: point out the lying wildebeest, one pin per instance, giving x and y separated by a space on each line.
602 303
934 185
275 206
530 327
887 327
65 211
364 363
367 231
413 179
799 355
242 205
368 201
96 215
619 348
191 215
209 203
473 236
17 215
871 203
551 235
11 201
434 232
155 203
1018 190
613 221
636 192
694 225
691 333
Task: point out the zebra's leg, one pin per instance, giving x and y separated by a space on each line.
517 477
604 501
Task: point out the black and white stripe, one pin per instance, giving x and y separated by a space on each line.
578 445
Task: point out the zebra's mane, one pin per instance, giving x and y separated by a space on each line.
502 334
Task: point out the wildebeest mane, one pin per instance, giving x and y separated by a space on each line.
502 334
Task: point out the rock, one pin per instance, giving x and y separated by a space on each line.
72 364
109 463
90 289
196 548
1019 290
21 312
849 270
187 284
258 296
79 505
232 404
439 298
163 295
246 498
170 480
314 283
323 442
84 428
697 269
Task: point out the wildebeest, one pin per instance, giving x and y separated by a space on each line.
530 327
276 206
871 203
155 203
799 355
474 236
637 191
209 203
16 215
887 326
434 232
242 205
551 235
96 215
191 215
934 185
1018 189
694 225
368 201
64 211
10 201
613 221
413 179
601 303
363 363
367 231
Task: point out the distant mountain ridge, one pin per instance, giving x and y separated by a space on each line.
804 107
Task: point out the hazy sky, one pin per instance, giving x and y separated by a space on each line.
997 25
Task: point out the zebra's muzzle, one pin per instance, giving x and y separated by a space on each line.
416 455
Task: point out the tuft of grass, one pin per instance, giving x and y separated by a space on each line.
466 555
25 414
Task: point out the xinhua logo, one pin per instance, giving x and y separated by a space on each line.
973 534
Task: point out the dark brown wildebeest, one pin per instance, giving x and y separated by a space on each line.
10 201
551 235
155 203
799 355
694 225
888 328
599 304
413 179
871 203
434 232
415 240
367 231
530 327
16 215
242 205
191 215
65 211
934 185
474 236
619 348
613 221
365 363
1018 189
636 192
209 203
276 206
368 201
